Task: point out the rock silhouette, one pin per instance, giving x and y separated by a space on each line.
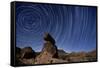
49 38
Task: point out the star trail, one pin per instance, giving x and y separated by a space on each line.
73 27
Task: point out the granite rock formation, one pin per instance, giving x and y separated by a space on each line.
49 50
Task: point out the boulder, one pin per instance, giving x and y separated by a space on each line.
48 37
27 53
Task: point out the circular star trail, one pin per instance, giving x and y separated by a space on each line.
70 26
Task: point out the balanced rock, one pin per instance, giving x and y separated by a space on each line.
49 45
48 52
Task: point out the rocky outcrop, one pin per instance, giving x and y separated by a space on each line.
49 50
51 54
25 56
27 53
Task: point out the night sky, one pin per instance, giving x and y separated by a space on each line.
73 27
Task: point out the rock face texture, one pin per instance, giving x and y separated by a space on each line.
25 56
27 53
48 52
